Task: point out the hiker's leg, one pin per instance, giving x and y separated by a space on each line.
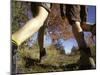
30 27
28 30
86 57
41 41
79 35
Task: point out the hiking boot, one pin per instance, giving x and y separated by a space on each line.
92 62
86 61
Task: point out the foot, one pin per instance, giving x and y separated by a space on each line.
92 62
86 61
86 64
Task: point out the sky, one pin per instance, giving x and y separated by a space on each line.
69 44
91 14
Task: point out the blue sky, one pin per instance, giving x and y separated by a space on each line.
68 44
91 14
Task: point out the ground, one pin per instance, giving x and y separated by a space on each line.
54 61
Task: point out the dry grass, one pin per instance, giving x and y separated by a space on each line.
53 61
